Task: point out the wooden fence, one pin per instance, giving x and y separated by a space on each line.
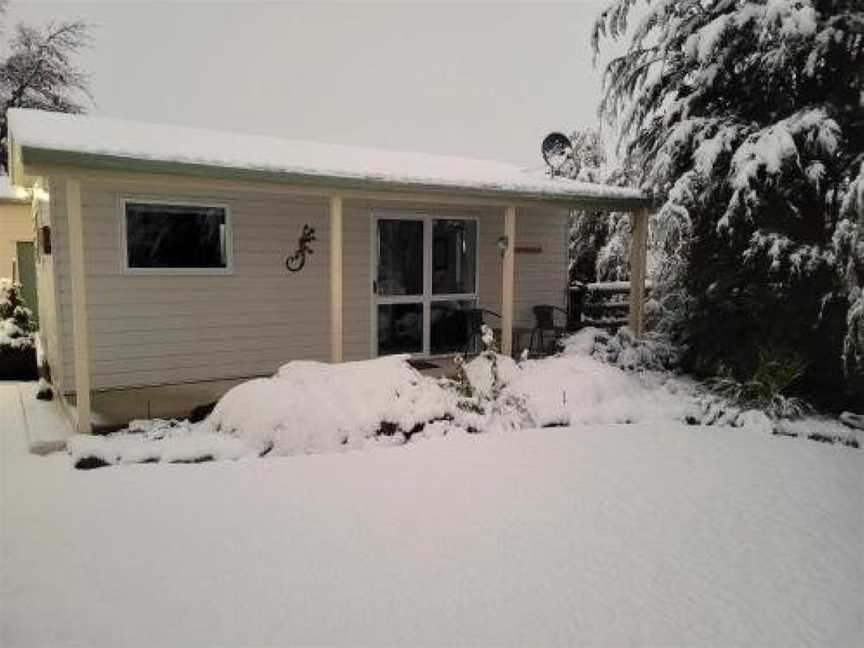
603 305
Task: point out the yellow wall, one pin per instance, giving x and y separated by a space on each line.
15 225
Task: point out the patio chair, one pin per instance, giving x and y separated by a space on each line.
545 334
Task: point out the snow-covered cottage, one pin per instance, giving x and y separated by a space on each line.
176 266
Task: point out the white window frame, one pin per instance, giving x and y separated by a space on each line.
427 298
176 202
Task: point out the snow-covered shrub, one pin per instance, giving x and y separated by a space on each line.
709 408
488 407
16 323
317 407
17 342
758 396
597 378
579 389
623 349
853 344
849 241
766 391
586 383
146 441
44 391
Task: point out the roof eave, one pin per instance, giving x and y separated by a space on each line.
43 157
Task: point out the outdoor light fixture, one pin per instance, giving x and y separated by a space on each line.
45 238
503 242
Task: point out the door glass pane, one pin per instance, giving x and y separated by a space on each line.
400 257
452 325
400 328
454 256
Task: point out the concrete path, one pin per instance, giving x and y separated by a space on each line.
44 423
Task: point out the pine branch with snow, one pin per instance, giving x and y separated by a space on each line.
599 241
750 117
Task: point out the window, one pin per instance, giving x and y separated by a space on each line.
176 237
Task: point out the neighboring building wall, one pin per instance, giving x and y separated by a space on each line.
150 330
15 225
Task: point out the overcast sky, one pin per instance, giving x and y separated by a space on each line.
486 80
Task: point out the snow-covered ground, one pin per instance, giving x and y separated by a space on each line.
608 534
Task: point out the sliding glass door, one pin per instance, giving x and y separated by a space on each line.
425 283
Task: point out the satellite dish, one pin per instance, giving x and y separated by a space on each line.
556 150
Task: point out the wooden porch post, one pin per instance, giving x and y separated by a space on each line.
638 269
336 278
79 305
507 273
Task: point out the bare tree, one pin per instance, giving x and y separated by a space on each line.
39 71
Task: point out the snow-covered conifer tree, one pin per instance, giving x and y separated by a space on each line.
750 116
599 241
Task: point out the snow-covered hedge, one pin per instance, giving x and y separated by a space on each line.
312 407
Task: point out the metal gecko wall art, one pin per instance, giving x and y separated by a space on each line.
296 261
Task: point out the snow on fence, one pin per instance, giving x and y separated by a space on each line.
604 304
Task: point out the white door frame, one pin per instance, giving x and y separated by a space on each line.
426 298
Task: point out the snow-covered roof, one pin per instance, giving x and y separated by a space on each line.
80 140
10 192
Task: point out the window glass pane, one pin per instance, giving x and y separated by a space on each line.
400 257
454 256
175 236
453 323
400 328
